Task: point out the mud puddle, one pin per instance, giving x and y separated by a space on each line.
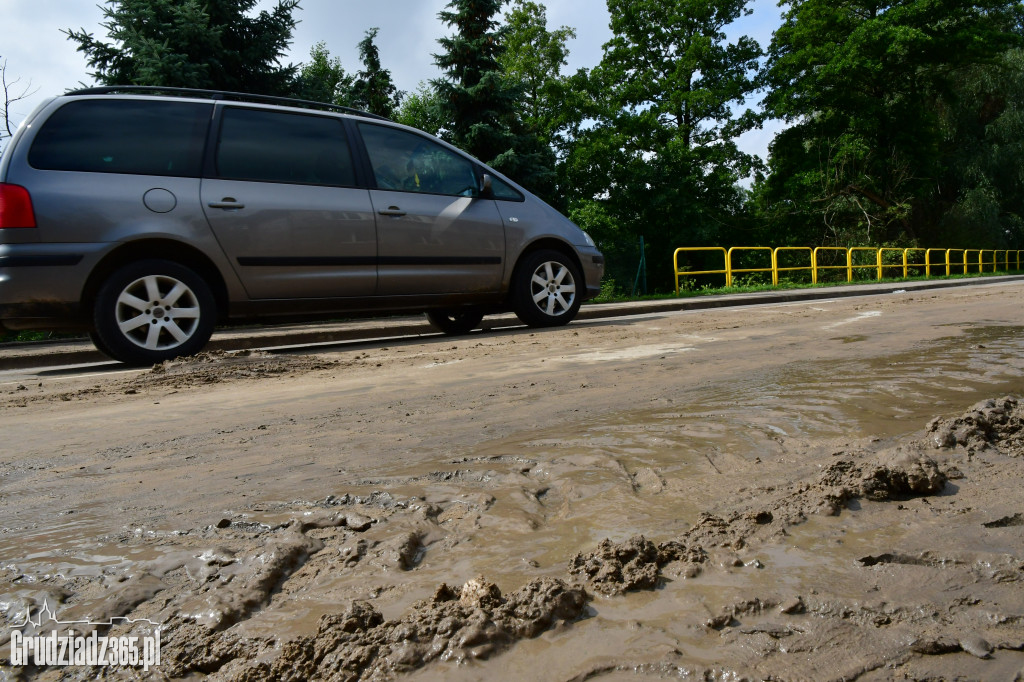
805 522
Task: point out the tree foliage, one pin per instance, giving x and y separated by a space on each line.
373 89
212 44
662 160
480 105
532 60
980 194
421 109
866 85
323 78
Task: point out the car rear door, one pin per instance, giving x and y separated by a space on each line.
284 205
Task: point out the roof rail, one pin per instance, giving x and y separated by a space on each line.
222 95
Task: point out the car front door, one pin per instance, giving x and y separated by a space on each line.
436 235
285 208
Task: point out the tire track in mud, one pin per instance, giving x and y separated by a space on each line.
211 583
392 552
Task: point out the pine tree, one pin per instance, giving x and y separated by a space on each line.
480 105
374 90
192 43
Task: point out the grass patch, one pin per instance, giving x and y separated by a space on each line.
30 336
610 295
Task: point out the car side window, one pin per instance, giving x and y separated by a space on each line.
408 162
140 137
275 146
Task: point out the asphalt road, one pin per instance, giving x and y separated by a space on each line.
22 356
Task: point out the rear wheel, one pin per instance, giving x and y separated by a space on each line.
455 321
151 311
546 289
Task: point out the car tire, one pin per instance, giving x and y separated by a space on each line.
153 310
455 321
547 289
100 345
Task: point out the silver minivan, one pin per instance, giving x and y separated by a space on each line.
146 216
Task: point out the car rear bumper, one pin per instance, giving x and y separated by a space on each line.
41 284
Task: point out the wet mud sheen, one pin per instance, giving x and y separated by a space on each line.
816 521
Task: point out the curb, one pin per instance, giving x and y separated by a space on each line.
56 353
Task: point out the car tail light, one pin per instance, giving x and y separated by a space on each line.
15 207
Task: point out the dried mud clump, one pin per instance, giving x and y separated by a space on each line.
472 622
991 424
637 564
904 477
614 568
898 476
213 367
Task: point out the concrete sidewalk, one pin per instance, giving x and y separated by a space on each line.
68 352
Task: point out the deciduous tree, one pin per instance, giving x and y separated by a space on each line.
323 78
979 199
13 91
662 160
864 85
420 109
532 59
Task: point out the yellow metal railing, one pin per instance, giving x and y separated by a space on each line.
817 266
874 263
882 265
954 261
928 261
908 263
714 249
734 270
776 268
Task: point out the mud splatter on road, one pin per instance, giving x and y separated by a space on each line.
748 502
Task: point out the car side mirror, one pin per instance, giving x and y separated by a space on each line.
486 188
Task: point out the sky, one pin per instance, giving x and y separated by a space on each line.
41 56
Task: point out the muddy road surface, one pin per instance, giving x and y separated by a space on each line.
822 490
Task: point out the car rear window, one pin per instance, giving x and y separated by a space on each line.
274 146
142 137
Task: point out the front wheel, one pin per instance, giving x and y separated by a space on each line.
455 321
153 310
546 289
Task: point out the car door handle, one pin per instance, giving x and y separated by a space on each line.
393 211
226 203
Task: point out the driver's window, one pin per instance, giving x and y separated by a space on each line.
407 162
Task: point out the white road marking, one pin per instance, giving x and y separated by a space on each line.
634 353
856 318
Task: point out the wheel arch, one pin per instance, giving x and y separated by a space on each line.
547 243
164 249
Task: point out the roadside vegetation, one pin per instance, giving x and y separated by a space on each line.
611 293
902 121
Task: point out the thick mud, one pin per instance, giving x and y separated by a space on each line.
424 513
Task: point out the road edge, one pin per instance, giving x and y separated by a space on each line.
64 352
